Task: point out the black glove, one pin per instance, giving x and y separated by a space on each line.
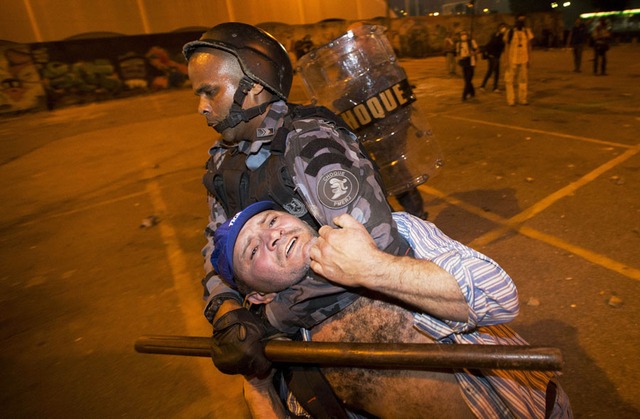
238 344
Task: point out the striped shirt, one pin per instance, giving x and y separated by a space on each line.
493 300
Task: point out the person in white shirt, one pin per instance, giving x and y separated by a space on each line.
518 48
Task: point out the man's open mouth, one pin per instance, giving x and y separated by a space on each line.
290 247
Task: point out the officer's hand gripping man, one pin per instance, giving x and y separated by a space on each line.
303 158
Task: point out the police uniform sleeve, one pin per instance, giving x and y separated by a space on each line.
215 290
334 176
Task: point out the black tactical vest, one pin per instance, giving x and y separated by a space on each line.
236 187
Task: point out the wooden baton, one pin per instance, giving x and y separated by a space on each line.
375 355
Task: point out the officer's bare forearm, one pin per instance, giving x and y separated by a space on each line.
262 399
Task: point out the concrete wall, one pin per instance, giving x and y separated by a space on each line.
50 75
28 21
418 37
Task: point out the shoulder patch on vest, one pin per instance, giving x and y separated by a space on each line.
337 188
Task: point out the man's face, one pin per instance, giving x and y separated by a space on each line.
214 76
272 251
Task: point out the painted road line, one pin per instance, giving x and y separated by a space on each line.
593 257
183 280
183 283
539 131
586 254
514 222
461 204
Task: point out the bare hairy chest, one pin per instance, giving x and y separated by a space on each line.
387 392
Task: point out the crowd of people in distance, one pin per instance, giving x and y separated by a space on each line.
515 43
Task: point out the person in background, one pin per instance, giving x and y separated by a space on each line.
601 37
450 54
518 47
578 36
466 51
493 51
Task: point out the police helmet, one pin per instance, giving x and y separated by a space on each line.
262 58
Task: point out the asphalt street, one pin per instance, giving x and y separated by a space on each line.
103 211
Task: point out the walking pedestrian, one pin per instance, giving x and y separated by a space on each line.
518 45
493 51
600 36
578 36
466 50
450 54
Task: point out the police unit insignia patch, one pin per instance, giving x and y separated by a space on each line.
295 207
338 188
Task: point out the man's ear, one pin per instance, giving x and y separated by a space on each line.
257 95
256 89
255 297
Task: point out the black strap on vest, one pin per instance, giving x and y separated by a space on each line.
313 392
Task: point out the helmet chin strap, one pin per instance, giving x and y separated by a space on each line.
236 113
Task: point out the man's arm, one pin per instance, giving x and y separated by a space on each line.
349 257
490 294
262 398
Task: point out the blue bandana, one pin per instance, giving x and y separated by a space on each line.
225 236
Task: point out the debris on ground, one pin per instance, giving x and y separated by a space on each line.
149 222
615 301
533 302
617 180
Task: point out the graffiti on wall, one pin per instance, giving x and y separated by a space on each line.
20 86
58 74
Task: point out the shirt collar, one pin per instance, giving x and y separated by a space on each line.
267 130
258 151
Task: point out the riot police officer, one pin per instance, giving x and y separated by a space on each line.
305 159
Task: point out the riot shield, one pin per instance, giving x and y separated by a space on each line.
358 77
